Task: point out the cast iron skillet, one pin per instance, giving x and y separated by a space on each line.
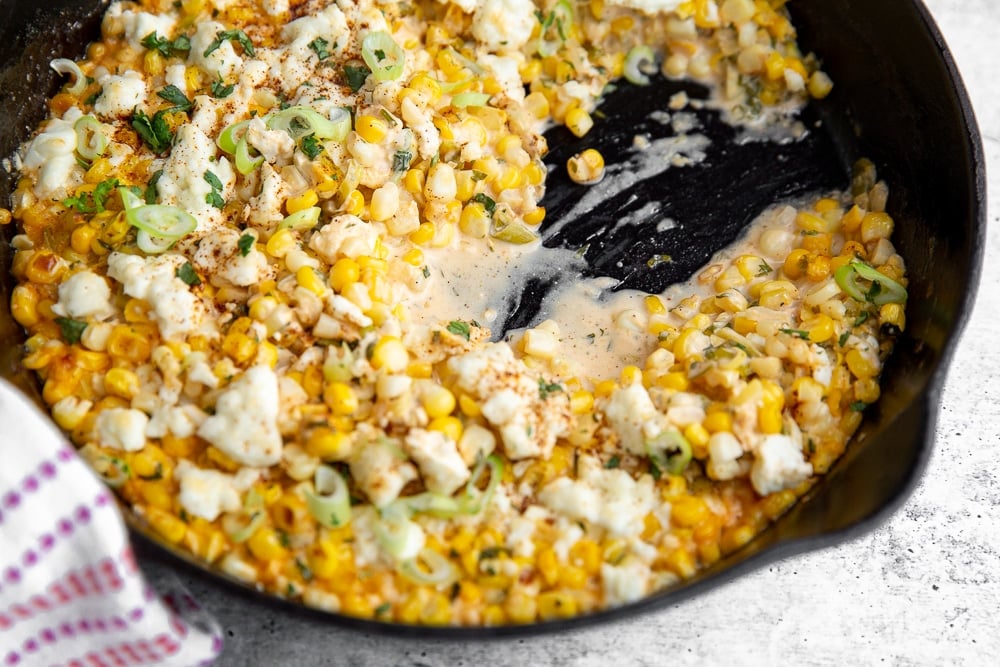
898 100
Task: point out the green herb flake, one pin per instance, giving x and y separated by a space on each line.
166 47
221 90
157 473
613 462
319 47
93 201
546 389
229 36
311 146
154 132
70 329
356 76
401 161
798 333
873 291
488 202
215 196
843 338
175 96
492 552
245 244
304 570
459 329
91 100
765 269
862 318
187 273
858 406
383 609
150 193
427 272
654 470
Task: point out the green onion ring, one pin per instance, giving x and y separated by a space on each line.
636 60
246 163
505 227
473 501
67 66
301 121
439 570
461 100
399 537
91 143
889 291
330 504
227 141
161 220
152 244
383 56
670 440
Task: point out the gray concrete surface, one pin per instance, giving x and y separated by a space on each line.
922 590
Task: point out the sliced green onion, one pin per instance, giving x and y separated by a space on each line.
451 86
469 63
228 140
161 220
510 229
461 100
153 245
474 500
331 503
670 451
67 66
90 140
300 121
130 200
637 62
246 163
115 473
241 526
434 504
301 220
383 56
428 567
399 537
887 290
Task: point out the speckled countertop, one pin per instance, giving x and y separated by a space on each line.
923 589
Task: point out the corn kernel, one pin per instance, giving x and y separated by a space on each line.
449 426
340 398
344 272
438 401
307 199
390 354
371 128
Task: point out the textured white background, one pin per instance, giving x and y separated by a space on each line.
922 590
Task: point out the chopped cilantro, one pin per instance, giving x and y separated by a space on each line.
843 338
221 90
459 329
245 244
799 333
492 552
70 329
166 47
228 36
215 196
478 175
356 75
613 462
546 389
311 146
150 194
383 609
93 98
304 570
654 470
858 406
187 273
765 269
862 318
427 272
174 95
401 161
154 131
874 291
93 201
318 47
488 203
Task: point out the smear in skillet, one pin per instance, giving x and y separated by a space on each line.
241 227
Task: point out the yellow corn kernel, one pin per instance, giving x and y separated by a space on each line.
537 104
340 398
344 272
851 221
867 390
586 554
820 328
581 402
419 369
894 314
261 308
698 436
605 388
818 269
554 605
534 173
24 306
860 365
876 226
239 347
413 181
796 264
309 278
586 167
424 234
82 238
307 199
328 445
371 128
655 305
687 344
122 383
811 223
510 179
280 243
578 121
468 406
474 221
354 203
426 86
820 85
818 244
449 426
126 343
769 419
548 566
390 354
717 422
676 380
688 511
267 354
98 171
681 562
438 402
265 544
169 526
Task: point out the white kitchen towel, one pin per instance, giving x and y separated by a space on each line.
70 591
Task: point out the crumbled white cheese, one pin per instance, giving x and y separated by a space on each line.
138 25
441 466
183 183
120 94
176 310
51 158
84 294
180 420
121 428
345 235
206 493
219 256
174 75
724 450
779 465
223 61
624 583
381 471
504 25
632 415
648 6
345 310
265 208
609 498
244 426
274 145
